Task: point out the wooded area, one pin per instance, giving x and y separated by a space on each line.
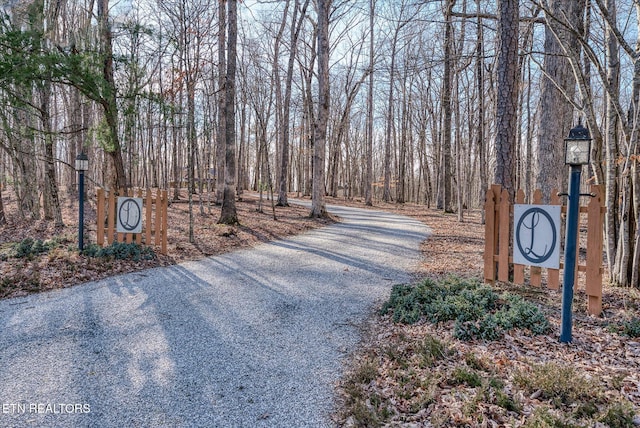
407 101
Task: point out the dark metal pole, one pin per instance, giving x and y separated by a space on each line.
81 211
570 252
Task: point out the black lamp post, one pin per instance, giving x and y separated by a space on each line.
82 165
577 151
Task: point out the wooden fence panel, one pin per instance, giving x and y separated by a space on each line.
153 233
498 215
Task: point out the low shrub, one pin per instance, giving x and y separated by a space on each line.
30 247
478 311
619 415
120 251
631 327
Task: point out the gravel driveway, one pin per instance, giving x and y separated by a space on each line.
252 338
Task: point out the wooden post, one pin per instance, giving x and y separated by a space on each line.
163 209
518 270
497 194
553 275
101 213
111 218
148 206
503 245
489 243
138 236
595 221
115 208
536 271
158 220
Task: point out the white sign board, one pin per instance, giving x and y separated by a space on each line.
129 215
536 235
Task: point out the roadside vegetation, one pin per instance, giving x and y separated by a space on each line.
455 352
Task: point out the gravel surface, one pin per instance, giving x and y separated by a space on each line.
252 338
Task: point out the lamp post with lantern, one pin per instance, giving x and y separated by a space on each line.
577 151
82 165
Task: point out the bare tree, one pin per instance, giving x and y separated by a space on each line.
446 109
297 22
318 208
368 180
221 128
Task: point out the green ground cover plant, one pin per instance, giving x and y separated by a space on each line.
477 310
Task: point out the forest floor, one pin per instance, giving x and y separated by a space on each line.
403 375
421 375
35 256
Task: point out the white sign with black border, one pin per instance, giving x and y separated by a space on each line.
536 235
129 215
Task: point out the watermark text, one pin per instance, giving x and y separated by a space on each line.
44 408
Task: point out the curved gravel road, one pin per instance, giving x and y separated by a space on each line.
252 338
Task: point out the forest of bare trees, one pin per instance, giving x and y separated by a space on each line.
423 101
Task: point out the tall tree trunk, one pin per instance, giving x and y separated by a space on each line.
108 101
386 189
368 178
191 147
283 185
53 210
557 91
318 208
277 89
507 96
3 218
221 130
446 109
635 166
481 100
611 141
228 213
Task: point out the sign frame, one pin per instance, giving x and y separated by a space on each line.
129 215
536 235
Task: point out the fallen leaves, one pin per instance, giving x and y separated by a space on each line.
415 395
63 266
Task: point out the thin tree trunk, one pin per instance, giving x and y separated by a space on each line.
3 218
446 110
368 184
481 100
284 155
611 143
53 209
386 190
221 130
